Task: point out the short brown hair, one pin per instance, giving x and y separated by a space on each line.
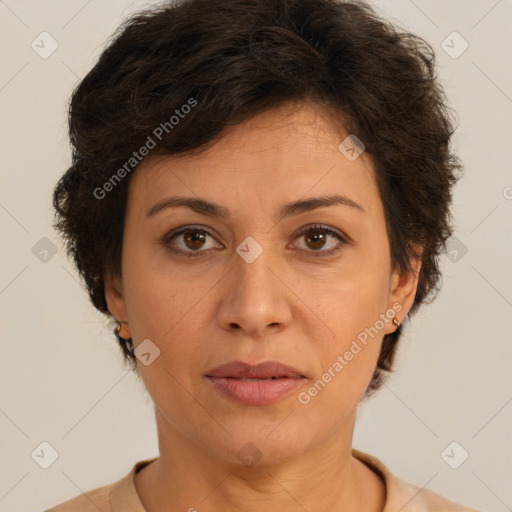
238 58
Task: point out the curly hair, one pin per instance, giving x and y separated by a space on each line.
236 59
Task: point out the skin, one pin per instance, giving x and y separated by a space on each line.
287 305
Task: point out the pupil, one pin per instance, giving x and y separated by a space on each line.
193 237
318 240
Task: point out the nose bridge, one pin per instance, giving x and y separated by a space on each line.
255 298
252 267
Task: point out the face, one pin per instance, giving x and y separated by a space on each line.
311 288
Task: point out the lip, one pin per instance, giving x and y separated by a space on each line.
228 379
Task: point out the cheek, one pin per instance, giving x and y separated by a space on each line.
347 358
167 311
351 304
349 298
157 297
171 311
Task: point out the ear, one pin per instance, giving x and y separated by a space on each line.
116 304
403 286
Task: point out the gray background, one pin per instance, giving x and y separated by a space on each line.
62 380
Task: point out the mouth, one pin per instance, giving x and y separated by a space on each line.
261 384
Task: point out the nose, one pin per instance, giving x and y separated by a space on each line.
255 299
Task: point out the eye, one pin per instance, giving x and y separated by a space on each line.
192 239
316 237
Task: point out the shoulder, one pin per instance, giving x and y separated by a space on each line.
92 501
407 497
120 495
419 499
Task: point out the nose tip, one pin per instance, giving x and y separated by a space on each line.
254 300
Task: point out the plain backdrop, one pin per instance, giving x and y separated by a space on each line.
62 378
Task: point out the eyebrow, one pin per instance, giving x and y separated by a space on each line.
211 209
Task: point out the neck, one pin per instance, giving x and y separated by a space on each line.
187 477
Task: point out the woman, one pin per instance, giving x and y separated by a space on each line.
259 193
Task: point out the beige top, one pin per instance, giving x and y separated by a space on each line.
401 496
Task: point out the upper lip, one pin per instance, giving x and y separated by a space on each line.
239 369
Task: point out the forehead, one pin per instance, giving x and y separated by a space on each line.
282 154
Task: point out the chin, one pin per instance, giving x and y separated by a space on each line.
258 442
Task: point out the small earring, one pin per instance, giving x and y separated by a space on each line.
118 328
396 321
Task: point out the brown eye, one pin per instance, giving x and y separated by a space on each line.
194 239
189 241
316 238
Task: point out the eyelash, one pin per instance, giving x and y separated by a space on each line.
167 238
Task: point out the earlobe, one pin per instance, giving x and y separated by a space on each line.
114 297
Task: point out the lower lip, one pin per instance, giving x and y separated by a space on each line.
256 392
